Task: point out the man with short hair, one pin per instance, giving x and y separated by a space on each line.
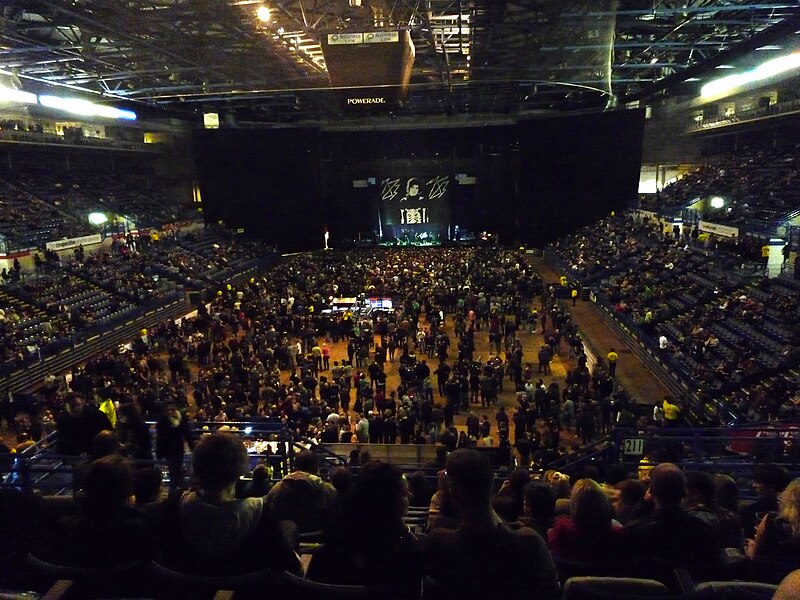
671 537
483 558
303 497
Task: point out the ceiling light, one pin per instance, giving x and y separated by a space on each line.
85 108
770 68
12 95
724 67
263 13
770 47
654 60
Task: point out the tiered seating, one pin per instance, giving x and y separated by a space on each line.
26 331
122 272
84 303
686 294
42 203
760 186
30 221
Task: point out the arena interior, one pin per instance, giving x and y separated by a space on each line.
399 299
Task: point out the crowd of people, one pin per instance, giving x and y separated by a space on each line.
726 333
41 203
518 539
755 185
63 299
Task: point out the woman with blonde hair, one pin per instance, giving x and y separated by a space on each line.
775 549
589 534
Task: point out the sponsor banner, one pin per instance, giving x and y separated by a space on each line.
370 101
716 229
345 39
381 37
86 240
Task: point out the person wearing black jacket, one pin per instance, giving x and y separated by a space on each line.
172 432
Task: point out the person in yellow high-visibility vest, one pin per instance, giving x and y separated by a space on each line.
672 411
612 357
574 294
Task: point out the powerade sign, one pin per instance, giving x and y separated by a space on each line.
366 101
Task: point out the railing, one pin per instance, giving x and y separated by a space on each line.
774 110
732 450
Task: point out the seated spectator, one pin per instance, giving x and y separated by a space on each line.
341 479
209 531
700 502
588 534
105 443
539 507
442 512
768 482
303 497
147 486
107 531
509 500
370 545
482 557
775 549
628 501
420 489
259 485
670 537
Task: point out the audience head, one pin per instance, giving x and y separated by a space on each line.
628 500
307 462
341 479
589 505
726 492
218 460
540 501
789 506
105 443
260 473
147 485
559 482
518 479
667 485
378 495
769 480
107 484
470 478
419 488
700 489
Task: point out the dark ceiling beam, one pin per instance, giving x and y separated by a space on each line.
687 10
772 35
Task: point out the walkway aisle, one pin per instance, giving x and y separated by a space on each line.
632 374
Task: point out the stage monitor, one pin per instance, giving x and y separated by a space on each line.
381 303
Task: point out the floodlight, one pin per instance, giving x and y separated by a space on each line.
97 218
263 13
12 95
770 68
717 202
85 108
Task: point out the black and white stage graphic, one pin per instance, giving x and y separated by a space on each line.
415 209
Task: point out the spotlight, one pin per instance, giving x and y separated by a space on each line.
263 13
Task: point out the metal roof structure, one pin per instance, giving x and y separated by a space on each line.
472 56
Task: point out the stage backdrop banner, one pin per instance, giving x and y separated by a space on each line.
415 206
